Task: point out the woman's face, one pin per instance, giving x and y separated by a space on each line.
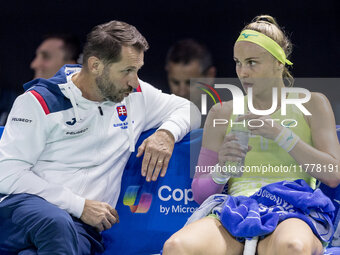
256 67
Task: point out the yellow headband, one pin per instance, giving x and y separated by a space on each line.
265 42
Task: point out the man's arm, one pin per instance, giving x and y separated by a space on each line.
23 141
175 117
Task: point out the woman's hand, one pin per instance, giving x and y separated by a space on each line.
262 125
230 150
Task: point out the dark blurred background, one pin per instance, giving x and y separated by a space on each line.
312 25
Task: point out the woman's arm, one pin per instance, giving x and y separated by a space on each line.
326 150
213 135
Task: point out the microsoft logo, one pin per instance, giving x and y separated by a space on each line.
130 198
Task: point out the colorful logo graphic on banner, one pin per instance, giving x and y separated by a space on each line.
130 198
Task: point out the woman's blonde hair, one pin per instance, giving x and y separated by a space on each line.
267 25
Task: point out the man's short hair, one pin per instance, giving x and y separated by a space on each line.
105 41
71 45
187 50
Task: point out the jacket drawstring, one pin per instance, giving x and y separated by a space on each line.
73 102
130 128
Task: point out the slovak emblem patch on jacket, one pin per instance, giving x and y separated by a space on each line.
122 113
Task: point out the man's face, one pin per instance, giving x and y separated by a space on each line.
50 57
179 76
118 79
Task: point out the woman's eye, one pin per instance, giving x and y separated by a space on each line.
238 63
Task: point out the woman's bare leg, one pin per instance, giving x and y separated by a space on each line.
205 236
291 237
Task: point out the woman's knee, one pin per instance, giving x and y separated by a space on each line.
206 236
175 245
292 236
293 246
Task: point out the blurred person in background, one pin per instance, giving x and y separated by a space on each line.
187 59
55 51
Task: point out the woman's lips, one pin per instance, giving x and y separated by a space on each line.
246 85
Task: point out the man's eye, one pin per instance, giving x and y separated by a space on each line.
252 63
45 56
175 82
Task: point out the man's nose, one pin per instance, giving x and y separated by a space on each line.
133 82
183 90
35 63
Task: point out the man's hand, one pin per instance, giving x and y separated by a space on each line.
99 215
157 151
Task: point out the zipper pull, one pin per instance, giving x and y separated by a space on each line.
100 111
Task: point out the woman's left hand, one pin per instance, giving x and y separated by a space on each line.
262 125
